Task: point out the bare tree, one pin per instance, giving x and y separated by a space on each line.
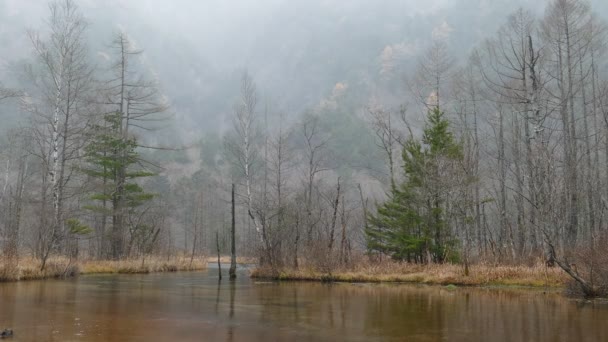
280 162
315 154
232 235
12 201
244 148
564 27
137 102
65 78
468 99
432 76
6 93
335 205
389 136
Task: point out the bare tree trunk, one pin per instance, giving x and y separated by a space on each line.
477 199
363 206
59 58
315 144
572 230
519 198
596 149
219 264
537 187
589 176
567 141
502 169
343 255
232 239
197 219
332 230
296 242
13 219
532 217
54 171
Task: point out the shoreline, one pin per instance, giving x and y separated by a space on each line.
481 275
444 275
29 268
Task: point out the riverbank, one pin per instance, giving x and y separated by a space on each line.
226 259
435 274
59 267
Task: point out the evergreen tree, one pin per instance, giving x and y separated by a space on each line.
411 225
112 156
396 229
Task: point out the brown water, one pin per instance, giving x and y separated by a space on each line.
194 307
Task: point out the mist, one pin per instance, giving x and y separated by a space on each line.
354 133
297 50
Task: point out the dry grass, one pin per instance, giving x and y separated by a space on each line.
444 274
29 268
225 259
150 265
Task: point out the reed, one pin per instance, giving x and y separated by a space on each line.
225 259
59 267
148 265
440 274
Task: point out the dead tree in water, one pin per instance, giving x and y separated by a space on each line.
219 264
233 242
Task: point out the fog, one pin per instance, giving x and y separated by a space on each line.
296 50
314 110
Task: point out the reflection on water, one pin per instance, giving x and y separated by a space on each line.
196 307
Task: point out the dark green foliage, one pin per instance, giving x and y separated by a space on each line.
411 225
114 166
395 230
110 155
78 228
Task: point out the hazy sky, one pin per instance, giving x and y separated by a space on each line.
227 30
217 23
297 50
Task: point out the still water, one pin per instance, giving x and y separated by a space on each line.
195 307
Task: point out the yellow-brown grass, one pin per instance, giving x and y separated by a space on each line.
225 259
29 268
439 274
149 265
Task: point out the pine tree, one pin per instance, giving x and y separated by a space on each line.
396 229
110 155
411 225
